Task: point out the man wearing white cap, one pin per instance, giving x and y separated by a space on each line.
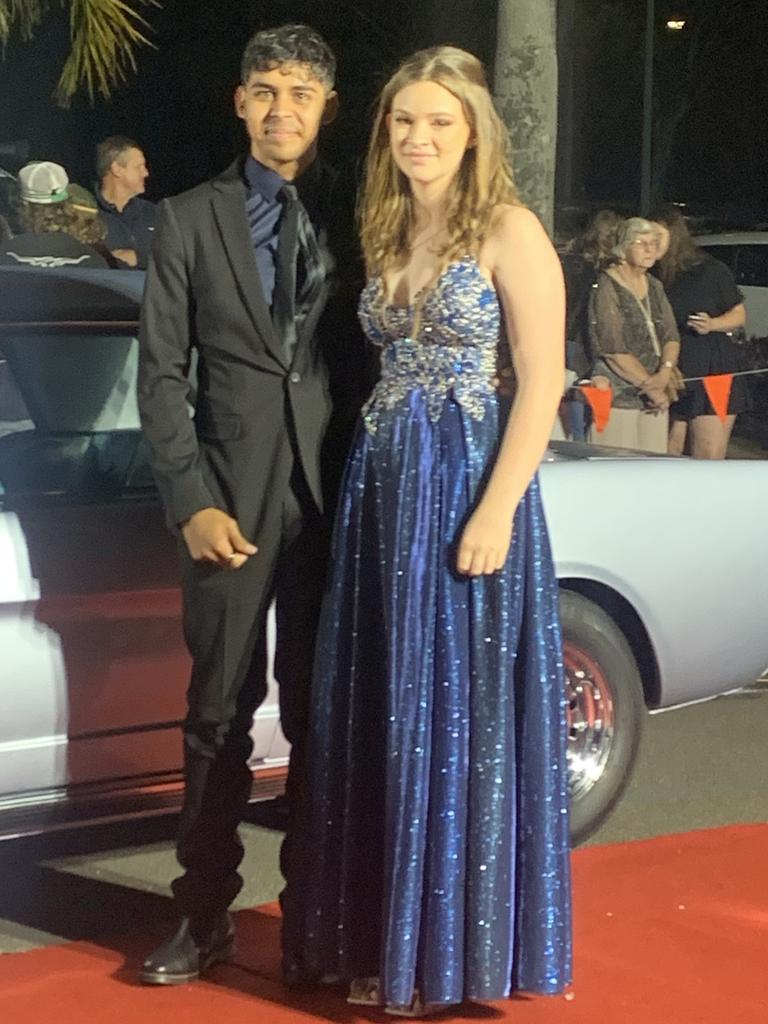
47 217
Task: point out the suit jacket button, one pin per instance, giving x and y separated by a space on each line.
295 377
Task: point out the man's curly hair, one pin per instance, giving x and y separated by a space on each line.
289 44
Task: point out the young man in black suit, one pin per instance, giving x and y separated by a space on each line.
240 272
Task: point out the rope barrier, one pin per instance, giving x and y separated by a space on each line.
736 373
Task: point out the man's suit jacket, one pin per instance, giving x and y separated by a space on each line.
254 412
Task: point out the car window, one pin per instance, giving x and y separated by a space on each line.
752 265
69 423
725 253
68 420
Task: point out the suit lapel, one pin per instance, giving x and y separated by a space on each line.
229 211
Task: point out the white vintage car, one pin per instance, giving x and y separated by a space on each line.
662 562
745 253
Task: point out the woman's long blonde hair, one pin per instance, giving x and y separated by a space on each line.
484 179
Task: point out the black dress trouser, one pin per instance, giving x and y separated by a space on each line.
222 698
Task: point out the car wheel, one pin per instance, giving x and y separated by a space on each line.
606 711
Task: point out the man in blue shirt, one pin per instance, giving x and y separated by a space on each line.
242 274
122 172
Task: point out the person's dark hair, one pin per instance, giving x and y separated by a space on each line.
65 217
597 243
86 227
39 217
111 149
9 195
289 44
683 253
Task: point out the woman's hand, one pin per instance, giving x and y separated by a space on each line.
655 388
656 393
700 322
659 399
485 541
504 382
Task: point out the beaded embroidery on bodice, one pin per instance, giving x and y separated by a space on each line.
455 353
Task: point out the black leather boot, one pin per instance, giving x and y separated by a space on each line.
190 951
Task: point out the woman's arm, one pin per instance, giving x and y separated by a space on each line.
529 282
703 323
627 366
630 369
656 385
609 341
608 334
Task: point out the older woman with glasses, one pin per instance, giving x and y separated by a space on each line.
635 342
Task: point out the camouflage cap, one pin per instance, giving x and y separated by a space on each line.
82 199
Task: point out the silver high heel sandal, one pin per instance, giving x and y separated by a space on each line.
415 1009
364 992
367 992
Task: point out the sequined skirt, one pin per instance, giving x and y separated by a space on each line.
434 847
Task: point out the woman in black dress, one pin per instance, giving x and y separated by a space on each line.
708 307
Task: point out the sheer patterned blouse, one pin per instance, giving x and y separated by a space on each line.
620 323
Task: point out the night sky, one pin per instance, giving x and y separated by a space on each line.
713 75
179 106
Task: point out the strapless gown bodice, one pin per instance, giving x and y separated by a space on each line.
455 351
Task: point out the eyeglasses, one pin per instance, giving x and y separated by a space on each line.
646 243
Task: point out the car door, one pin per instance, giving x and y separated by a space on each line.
751 273
94 668
748 261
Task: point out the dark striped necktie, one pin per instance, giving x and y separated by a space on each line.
300 270
284 296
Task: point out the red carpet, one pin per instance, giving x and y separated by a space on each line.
671 930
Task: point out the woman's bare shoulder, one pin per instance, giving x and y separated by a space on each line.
516 235
511 220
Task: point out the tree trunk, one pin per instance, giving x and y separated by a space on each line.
664 136
567 89
525 85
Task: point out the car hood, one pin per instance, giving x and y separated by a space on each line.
66 294
577 451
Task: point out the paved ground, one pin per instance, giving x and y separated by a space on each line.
746 448
699 767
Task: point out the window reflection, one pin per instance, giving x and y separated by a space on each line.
69 423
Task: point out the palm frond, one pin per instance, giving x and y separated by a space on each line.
23 15
104 35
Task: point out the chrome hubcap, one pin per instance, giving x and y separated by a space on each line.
590 720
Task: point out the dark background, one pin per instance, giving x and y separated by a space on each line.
710 92
179 106
710 100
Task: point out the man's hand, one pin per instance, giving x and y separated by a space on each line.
213 536
127 256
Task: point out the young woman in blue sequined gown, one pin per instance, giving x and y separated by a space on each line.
432 864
